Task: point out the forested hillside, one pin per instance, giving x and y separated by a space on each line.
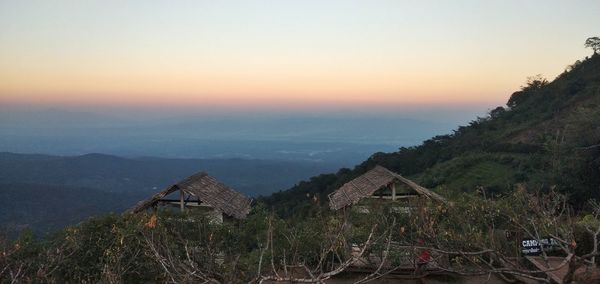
44 192
46 208
547 136
110 173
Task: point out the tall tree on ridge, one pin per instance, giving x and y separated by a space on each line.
593 43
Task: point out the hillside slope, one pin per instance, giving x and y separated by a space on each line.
145 175
546 137
45 192
44 208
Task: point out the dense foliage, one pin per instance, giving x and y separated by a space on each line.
171 247
163 247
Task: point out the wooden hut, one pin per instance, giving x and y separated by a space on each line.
383 185
200 192
373 189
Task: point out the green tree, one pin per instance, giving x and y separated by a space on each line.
593 43
533 84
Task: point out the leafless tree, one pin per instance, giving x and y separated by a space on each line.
471 247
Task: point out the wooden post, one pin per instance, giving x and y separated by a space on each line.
393 191
181 195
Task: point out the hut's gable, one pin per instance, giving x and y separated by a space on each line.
209 191
147 203
369 183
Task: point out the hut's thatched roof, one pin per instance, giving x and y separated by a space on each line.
370 182
209 191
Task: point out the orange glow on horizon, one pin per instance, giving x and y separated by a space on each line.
283 53
294 87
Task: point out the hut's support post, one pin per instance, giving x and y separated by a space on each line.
181 207
393 191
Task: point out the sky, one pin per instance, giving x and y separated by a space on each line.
284 54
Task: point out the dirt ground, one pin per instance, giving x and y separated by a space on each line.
348 278
353 277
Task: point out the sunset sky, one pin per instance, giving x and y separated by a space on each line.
284 54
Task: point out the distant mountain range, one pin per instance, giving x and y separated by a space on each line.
43 191
341 138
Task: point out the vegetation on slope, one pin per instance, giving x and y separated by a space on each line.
546 137
184 248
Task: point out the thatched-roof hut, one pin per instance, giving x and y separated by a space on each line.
200 190
379 183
